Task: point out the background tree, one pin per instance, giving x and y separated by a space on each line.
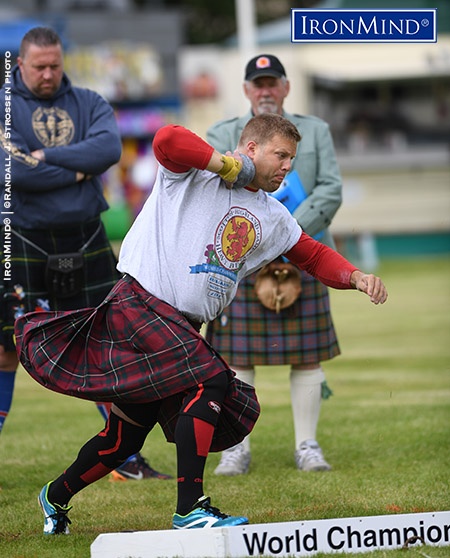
209 22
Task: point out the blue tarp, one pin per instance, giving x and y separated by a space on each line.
11 33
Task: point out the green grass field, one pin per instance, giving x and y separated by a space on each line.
386 432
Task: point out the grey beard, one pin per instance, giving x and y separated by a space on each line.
267 107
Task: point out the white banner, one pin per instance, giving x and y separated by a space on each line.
293 539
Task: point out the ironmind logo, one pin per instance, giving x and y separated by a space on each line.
363 26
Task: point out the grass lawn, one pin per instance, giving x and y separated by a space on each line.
385 431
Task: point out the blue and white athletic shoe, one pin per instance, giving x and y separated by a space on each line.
205 516
56 520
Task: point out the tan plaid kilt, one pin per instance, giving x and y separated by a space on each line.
133 348
248 334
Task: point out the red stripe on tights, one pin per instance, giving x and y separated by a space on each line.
203 432
119 440
95 473
196 398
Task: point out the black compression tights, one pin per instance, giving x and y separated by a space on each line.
107 450
98 457
193 435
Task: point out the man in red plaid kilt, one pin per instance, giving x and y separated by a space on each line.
207 224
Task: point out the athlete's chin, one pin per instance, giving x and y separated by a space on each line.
278 181
273 186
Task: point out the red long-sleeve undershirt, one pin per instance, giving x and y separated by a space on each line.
321 262
179 149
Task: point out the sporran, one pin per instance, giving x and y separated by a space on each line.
64 274
278 285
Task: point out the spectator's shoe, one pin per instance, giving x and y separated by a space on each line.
204 516
309 457
234 461
137 468
56 520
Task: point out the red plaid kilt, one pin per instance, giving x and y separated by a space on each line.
134 348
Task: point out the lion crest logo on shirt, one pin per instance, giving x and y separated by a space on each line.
237 236
53 126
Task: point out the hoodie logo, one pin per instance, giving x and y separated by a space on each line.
53 126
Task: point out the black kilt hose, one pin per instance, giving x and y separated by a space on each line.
132 348
26 290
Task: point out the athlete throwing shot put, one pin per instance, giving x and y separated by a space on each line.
208 223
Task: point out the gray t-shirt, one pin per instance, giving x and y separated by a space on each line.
195 239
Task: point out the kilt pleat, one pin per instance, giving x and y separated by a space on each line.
133 348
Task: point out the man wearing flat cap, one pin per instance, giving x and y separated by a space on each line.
301 335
